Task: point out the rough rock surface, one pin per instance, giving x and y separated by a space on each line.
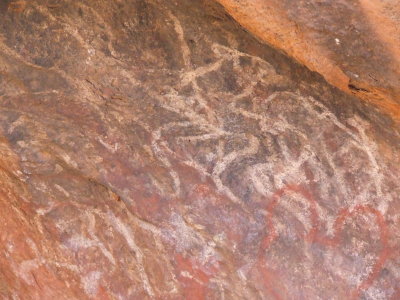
155 150
354 44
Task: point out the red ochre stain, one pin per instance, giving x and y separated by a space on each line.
313 235
195 281
102 294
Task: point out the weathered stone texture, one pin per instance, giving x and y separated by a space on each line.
155 150
355 45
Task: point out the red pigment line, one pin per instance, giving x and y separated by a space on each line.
194 288
272 235
311 236
384 253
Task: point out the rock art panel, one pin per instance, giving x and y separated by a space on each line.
155 150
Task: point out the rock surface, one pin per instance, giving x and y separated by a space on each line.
355 45
155 150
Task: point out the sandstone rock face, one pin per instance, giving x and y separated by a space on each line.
154 150
355 45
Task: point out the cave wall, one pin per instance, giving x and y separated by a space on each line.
157 150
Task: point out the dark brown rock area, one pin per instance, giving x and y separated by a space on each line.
155 150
